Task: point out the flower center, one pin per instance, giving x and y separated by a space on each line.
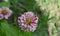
28 21
4 12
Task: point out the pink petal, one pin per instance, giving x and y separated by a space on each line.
29 15
6 17
35 19
1 16
5 8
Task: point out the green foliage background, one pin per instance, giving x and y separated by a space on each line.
10 27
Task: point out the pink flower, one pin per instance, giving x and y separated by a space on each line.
5 12
28 22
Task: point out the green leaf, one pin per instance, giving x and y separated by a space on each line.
14 1
8 30
7 4
28 4
23 33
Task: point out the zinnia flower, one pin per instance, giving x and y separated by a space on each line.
5 12
28 22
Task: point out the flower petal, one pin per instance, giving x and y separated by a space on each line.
6 17
1 16
29 15
35 19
